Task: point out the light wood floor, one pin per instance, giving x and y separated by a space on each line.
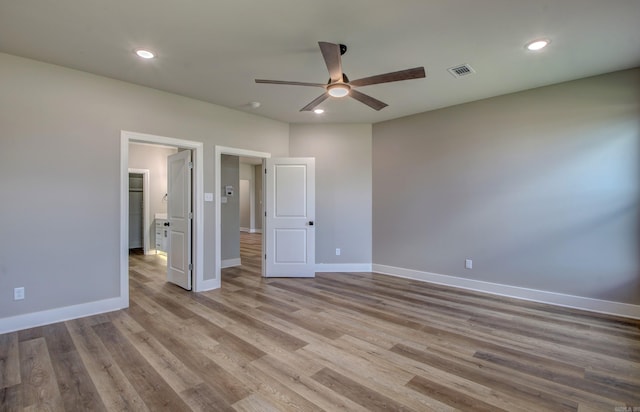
361 342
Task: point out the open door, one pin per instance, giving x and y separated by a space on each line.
179 215
289 226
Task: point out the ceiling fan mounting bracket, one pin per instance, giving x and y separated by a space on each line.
343 49
345 79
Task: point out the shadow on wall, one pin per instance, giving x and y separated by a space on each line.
551 245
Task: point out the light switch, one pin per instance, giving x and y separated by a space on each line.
208 197
223 199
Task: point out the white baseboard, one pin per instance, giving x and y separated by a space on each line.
343 267
46 317
207 284
229 263
558 299
248 230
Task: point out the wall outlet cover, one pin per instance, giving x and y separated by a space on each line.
18 293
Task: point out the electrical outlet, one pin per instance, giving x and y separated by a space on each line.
338 251
18 293
468 264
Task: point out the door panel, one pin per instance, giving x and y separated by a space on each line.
290 246
178 214
290 217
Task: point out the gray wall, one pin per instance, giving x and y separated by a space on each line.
230 212
257 185
154 159
539 188
245 195
60 175
343 188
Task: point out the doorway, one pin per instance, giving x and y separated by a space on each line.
241 179
197 148
257 157
136 212
139 210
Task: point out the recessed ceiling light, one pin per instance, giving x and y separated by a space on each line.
145 54
318 111
254 105
538 44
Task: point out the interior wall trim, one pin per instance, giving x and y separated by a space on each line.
343 267
47 317
570 301
249 230
229 263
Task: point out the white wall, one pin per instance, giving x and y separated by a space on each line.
343 191
60 175
246 196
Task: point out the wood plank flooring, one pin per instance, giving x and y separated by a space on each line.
358 342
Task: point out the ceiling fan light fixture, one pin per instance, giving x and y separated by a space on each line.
338 89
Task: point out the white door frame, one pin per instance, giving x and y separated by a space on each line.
127 137
145 205
220 150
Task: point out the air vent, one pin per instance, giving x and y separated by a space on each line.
461 70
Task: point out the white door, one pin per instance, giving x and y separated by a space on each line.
179 215
289 226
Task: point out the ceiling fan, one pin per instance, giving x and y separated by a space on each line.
339 84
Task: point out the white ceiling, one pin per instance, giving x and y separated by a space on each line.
213 50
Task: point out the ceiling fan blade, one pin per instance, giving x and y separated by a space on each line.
331 54
415 73
315 102
290 83
368 100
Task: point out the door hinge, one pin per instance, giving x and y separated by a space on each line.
190 215
190 165
190 266
265 213
265 257
265 171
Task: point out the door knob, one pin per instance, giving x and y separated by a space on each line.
166 223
